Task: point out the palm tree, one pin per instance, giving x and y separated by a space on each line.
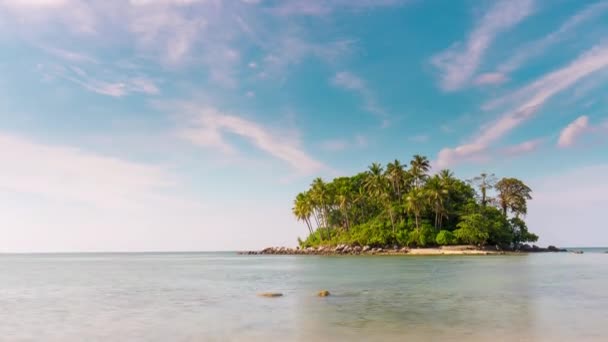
301 211
396 174
376 185
320 198
513 195
436 194
447 177
414 204
419 167
484 182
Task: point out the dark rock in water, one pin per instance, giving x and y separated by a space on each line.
323 293
270 294
555 249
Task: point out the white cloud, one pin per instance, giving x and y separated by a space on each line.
578 129
463 153
573 131
460 62
207 127
71 174
527 102
349 81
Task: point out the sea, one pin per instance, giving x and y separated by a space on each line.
214 297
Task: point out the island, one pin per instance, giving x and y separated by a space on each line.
404 209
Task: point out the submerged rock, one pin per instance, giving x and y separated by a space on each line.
323 293
270 294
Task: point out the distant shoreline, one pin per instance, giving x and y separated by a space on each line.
396 250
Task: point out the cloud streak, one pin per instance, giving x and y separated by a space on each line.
208 127
459 63
536 48
528 101
325 7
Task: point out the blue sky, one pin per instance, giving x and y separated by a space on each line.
191 124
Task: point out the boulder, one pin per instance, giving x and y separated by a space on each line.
323 293
270 294
366 249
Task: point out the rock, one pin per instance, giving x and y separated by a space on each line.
270 294
404 250
379 250
366 249
323 293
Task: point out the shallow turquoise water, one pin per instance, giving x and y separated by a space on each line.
212 297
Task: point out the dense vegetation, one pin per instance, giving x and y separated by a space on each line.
406 206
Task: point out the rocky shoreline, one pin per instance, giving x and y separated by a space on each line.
398 250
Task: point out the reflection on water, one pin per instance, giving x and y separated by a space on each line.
212 297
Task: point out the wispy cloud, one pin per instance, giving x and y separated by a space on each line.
459 63
349 81
125 85
208 127
568 28
573 131
490 78
290 50
579 129
70 56
527 102
523 148
325 7
183 33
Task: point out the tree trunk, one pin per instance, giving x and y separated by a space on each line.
390 212
307 219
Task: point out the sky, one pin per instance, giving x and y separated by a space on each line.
164 125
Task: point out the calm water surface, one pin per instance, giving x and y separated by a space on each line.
212 297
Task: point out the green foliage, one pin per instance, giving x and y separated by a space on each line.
446 237
473 229
520 232
405 206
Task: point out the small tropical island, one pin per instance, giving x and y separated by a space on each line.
401 209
